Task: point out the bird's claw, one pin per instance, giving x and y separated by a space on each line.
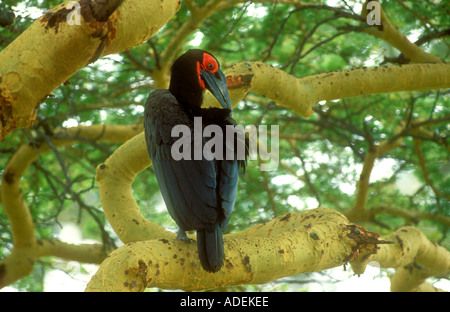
181 235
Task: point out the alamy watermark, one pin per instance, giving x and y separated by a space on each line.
74 17
373 13
234 138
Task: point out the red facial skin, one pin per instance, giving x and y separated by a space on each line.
210 64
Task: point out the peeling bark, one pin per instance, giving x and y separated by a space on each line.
50 51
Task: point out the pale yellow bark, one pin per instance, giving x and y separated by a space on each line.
299 94
307 241
415 257
47 59
26 248
115 177
295 243
50 51
86 253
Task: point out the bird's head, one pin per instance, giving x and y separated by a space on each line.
195 71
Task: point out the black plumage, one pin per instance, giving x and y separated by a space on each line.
199 194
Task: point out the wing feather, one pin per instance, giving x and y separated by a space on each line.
188 187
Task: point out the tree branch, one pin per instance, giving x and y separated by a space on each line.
86 253
43 57
423 167
115 177
414 256
197 17
389 33
26 249
362 191
294 243
413 216
299 94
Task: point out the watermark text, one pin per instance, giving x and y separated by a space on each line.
74 17
210 143
373 13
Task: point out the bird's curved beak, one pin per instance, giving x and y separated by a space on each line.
217 84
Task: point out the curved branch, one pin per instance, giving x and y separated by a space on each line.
362 191
294 243
299 94
26 248
43 57
87 253
389 33
358 211
197 17
307 241
408 215
415 257
424 168
114 178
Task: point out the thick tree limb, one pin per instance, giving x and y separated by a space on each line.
294 243
307 241
299 94
50 51
115 177
26 248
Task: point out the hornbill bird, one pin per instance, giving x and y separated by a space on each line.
199 192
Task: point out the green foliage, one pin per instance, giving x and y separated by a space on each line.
320 157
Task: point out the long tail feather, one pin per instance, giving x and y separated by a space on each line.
210 248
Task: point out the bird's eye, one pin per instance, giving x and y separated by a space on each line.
210 63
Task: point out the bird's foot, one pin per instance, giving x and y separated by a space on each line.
181 235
